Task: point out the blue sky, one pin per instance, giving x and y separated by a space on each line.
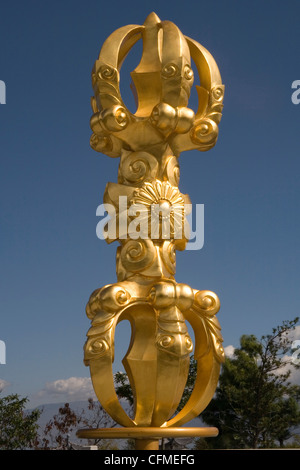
52 181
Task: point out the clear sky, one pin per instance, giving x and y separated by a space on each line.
52 181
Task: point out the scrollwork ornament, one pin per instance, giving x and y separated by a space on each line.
169 70
101 143
137 255
206 305
208 302
114 119
106 72
188 72
113 297
137 167
168 254
218 93
188 343
205 132
172 171
99 346
95 349
165 341
177 344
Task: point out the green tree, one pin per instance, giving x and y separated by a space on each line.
123 388
18 428
255 406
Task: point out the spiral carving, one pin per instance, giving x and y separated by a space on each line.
93 305
188 72
107 72
177 344
165 341
205 132
137 167
103 303
99 346
112 297
115 119
168 254
218 93
101 143
96 348
208 302
137 255
169 70
172 171
188 343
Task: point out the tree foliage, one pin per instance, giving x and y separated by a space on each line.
59 429
123 388
255 406
18 428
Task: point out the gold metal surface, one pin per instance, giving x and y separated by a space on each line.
148 143
147 433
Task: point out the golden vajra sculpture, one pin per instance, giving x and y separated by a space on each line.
148 144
